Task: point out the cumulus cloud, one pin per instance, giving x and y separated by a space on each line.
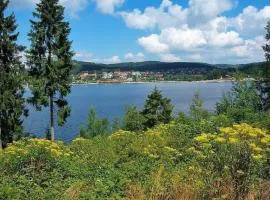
22 4
169 57
250 49
83 56
200 31
201 11
112 60
188 40
72 6
108 6
134 57
153 44
224 39
251 21
183 38
195 57
167 15
89 57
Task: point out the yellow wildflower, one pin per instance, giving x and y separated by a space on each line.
257 157
233 140
258 149
202 138
266 140
191 149
220 139
79 139
252 145
170 149
55 152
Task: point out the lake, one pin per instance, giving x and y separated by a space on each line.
110 101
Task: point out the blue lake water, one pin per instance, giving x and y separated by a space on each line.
110 101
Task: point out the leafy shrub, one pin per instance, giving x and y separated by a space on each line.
35 168
171 161
238 151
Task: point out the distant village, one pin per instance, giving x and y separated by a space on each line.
179 73
118 76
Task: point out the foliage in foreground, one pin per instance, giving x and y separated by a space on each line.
11 79
170 161
50 60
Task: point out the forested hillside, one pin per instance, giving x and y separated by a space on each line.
251 68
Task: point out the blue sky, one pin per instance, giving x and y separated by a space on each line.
111 31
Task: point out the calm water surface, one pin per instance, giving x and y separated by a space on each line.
110 101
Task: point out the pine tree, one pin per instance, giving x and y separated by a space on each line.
96 126
11 79
197 110
133 119
157 109
50 60
265 86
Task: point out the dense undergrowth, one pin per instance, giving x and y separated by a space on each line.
180 160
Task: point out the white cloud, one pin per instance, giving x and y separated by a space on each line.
200 32
218 24
108 6
250 49
207 46
112 60
72 6
136 19
251 21
183 38
201 11
168 57
134 57
223 39
89 57
153 44
83 56
195 58
22 4
167 15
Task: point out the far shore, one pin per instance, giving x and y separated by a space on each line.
143 82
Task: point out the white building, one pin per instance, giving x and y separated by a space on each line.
106 75
137 74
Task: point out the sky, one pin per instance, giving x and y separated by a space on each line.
114 31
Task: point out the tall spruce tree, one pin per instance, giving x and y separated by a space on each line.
50 60
11 79
265 86
157 109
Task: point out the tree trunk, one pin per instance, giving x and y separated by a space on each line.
1 144
52 118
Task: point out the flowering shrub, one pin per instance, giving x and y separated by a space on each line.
33 155
35 169
238 151
167 162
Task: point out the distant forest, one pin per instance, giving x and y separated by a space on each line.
252 69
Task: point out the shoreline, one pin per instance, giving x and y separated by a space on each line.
148 82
